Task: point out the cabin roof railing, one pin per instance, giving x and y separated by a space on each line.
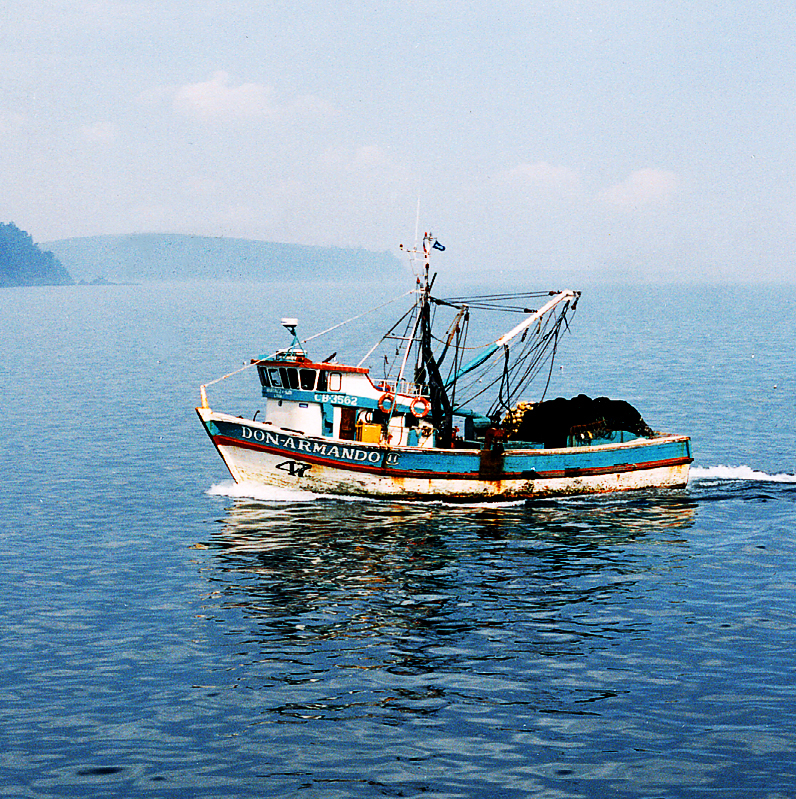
305 363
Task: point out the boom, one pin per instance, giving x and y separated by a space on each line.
563 296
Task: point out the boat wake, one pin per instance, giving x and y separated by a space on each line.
263 493
738 473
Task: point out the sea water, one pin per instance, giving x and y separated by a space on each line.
169 633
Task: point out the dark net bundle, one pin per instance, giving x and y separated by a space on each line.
553 421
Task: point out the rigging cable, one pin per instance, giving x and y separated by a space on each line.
358 316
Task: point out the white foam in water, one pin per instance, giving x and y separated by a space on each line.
266 493
262 492
739 473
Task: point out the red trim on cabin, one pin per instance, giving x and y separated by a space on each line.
306 364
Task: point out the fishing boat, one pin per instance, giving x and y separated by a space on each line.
438 419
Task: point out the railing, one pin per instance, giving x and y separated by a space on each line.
400 387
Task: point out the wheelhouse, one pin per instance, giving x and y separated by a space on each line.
337 401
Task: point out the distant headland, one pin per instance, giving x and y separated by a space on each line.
24 263
176 257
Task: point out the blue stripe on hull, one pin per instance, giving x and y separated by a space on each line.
455 464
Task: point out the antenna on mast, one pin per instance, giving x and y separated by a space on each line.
415 250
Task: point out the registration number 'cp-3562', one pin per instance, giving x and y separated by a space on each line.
337 399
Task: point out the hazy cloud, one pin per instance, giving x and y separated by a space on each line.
645 187
218 99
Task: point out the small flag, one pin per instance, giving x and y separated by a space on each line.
438 246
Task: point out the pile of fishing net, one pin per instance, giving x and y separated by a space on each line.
552 422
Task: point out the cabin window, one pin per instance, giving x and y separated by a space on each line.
276 380
307 378
335 381
289 377
323 381
264 376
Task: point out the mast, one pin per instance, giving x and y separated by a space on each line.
427 373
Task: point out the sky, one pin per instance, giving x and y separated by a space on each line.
586 139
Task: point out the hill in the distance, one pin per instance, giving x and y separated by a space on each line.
168 256
23 263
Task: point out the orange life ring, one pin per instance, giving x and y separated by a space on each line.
420 407
386 402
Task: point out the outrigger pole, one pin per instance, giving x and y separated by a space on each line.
563 296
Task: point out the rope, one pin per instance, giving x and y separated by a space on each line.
359 316
237 371
203 387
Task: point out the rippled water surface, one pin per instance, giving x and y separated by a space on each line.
167 633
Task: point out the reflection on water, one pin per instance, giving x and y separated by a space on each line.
262 525
466 599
